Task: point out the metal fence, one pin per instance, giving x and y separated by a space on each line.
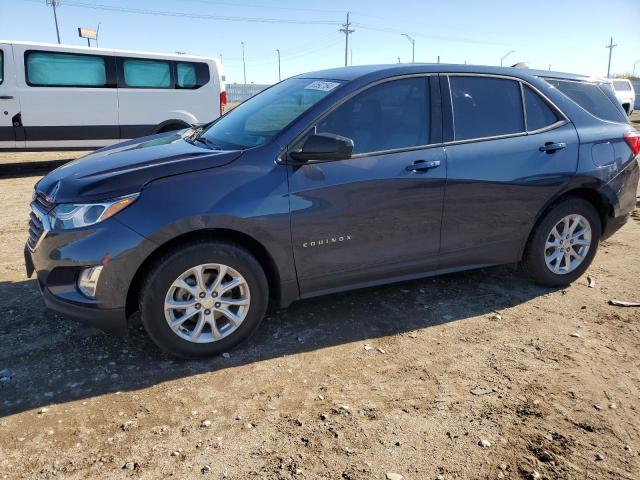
239 92
636 87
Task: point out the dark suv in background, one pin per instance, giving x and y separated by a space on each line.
330 181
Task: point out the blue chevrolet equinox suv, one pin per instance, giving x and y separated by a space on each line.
334 180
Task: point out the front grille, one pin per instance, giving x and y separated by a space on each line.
38 225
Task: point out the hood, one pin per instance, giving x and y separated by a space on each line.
126 167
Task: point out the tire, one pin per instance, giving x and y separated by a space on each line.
537 252
172 127
160 286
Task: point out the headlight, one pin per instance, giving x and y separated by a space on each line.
75 215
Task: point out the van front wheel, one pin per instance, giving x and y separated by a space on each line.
203 299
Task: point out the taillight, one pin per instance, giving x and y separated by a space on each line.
223 101
633 140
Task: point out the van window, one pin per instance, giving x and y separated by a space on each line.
539 113
1 66
146 73
621 85
388 116
485 107
593 97
50 69
186 75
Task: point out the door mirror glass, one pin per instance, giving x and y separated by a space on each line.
323 147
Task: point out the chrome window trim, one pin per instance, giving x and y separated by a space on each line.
281 157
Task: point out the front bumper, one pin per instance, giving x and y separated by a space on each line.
61 255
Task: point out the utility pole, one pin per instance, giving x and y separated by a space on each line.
413 47
279 76
346 30
438 58
244 65
398 59
634 67
98 33
508 53
54 4
611 46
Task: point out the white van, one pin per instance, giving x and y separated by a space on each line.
625 93
62 97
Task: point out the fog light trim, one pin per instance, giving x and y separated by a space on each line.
88 281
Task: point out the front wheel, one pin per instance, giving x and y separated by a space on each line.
563 243
203 299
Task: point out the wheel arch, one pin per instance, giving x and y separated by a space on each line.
254 247
162 127
595 197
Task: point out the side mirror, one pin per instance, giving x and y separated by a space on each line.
323 147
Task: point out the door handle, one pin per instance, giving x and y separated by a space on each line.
551 147
6 97
422 165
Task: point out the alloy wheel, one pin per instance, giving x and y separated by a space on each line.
207 303
567 244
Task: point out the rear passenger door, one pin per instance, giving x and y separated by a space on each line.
67 99
508 151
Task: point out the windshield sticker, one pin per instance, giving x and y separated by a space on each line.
322 86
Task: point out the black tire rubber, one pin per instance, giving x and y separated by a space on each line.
172 264
172 127
533 262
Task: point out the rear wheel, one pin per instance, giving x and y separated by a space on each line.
563 244
203 299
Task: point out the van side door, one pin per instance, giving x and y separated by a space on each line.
68 97
509 150
9 102
377 215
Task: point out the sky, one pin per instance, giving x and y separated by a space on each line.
568 35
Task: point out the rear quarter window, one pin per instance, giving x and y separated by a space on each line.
593 97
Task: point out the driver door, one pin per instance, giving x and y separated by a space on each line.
377 215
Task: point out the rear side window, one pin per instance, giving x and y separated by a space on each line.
146 73
388 116
51 69
621 85
539 113
592 97
186 75
485 107
1 66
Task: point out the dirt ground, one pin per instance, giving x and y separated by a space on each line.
472 375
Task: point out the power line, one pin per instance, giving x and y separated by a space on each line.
196 16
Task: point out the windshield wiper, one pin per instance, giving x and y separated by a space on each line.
207 142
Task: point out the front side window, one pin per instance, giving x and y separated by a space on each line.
388 116
539 113
50 69
146 73
485 107
597 99
265 115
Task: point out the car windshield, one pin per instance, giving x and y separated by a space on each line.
260 118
